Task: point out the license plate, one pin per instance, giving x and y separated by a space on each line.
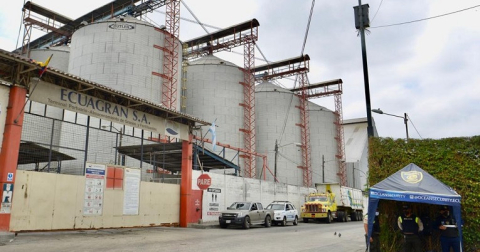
227 221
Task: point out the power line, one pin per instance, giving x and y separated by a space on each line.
377 11
414 127
423 19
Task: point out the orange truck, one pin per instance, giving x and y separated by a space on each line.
333 201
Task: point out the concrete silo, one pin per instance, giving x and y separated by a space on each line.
323 143
276 116
122 53
214 93
60 57
38 127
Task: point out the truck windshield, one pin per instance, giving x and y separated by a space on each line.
318 198
240 206
276 206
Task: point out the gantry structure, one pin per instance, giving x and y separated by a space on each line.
245 34
298 66
325 89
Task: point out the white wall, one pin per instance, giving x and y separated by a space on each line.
234 188
46 201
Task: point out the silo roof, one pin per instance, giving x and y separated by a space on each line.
211 60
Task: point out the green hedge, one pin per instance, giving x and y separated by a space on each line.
454 161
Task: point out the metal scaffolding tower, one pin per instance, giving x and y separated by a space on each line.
170 56
295 66
324 89
242 34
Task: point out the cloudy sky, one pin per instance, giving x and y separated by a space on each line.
428 69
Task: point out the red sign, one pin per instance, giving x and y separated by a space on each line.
204 181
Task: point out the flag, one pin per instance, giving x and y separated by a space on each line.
214 136
44 65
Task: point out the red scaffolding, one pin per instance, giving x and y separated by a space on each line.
170 56
295 66
241 34
324 89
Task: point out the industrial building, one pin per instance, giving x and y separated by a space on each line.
263 131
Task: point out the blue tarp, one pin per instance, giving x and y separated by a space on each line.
412 184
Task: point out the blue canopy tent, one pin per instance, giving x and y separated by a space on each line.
412 184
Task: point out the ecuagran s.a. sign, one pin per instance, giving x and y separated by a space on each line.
68 99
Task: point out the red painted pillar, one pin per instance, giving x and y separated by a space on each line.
186 206
11 146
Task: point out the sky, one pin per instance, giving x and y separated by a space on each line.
427 69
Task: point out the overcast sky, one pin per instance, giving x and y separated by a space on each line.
429 69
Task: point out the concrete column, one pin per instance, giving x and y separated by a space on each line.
11 147
186 206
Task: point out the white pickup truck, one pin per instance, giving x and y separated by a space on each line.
284 212
245 214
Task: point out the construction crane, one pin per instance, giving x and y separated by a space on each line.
295 66
325 89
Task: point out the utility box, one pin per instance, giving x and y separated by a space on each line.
363 18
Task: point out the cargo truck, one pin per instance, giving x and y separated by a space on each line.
332 201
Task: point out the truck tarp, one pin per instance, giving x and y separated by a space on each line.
413 184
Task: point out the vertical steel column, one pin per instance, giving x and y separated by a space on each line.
170 56
186 204
87 136
305 131
340 139
249 110
11 145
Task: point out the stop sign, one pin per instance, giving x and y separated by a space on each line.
204 181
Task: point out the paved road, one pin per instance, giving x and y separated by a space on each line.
305 237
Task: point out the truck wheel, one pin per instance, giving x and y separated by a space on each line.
305 220
353 216
284 221
295 222
339 216
329 217
246 222
268 221
223 225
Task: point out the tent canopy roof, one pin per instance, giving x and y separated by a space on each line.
412 178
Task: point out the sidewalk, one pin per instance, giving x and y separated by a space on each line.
204 225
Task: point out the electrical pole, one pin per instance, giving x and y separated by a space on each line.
362 21
323 169
275 166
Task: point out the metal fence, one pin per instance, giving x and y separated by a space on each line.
58 141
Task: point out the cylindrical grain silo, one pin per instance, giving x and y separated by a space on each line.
276 117
214 93
59 60
40 119
125 54
323 143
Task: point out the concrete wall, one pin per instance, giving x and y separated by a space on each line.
230 189
45 201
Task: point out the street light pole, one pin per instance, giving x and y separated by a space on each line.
404 117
